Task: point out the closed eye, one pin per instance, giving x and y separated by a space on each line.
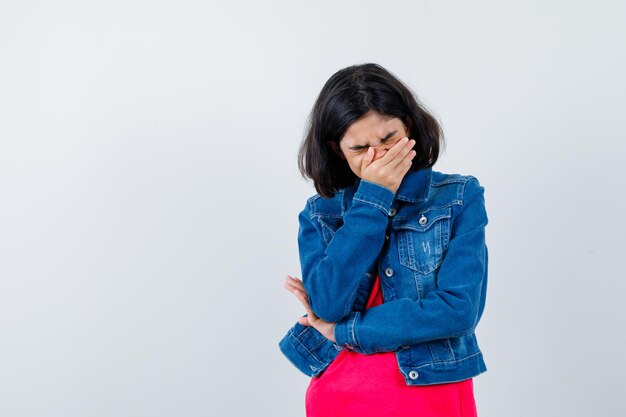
388 137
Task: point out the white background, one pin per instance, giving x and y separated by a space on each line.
149 194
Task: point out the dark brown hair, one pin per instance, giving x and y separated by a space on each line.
347 96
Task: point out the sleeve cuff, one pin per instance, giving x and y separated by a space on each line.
374 194
345 335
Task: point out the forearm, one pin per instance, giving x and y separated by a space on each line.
451 310
333 274
391 325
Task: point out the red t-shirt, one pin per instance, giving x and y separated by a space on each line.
361 385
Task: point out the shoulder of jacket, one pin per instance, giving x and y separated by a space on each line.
461 186
319 205
441 179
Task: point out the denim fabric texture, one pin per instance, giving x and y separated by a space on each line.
427 242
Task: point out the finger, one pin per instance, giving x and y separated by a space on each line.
304 321
401 155
294 286
297 283
391 154
305 303
300 297
367 159
294 280
404 165
290 287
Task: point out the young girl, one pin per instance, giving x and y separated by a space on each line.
393 257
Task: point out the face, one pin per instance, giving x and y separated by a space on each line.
373 129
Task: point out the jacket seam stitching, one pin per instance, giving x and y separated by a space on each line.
371 203
307 349
450 361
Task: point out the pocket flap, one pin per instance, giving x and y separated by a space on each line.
421 220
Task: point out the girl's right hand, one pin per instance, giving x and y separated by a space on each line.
390 169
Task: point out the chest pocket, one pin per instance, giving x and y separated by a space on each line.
422 237
329 226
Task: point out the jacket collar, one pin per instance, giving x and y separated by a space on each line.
414 188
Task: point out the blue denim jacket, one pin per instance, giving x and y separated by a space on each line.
427 243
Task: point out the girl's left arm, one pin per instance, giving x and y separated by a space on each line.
453 309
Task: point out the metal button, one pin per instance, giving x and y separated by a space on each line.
423 220
413 374
392 212
337 346
388 272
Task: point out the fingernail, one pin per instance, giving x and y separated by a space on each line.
405 139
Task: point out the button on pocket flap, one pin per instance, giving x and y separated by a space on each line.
421 221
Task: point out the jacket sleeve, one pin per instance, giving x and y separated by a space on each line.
453 309
331 273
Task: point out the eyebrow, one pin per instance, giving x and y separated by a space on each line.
357 147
